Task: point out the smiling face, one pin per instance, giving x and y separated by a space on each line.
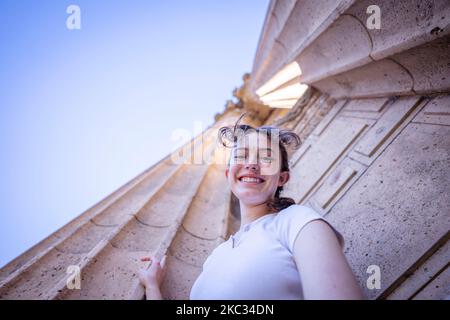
254 170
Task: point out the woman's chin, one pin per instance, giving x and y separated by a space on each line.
251 199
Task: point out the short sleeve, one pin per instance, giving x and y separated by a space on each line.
290 221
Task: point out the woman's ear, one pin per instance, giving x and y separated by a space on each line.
227 171
284 177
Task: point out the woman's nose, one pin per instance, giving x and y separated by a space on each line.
252 161
251 166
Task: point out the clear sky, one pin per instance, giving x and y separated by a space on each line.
84 111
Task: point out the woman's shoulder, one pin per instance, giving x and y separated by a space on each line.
291 220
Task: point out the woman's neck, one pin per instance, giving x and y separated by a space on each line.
250 213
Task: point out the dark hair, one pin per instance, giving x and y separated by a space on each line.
228 136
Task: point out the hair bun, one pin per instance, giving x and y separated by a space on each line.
228 135
290 139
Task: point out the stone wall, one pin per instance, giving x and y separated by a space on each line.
377 164
375 156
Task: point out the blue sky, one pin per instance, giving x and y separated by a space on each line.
84 111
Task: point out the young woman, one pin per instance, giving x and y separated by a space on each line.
282 250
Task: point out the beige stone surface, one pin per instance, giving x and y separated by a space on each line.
416 280
136 236
208 213
306 21
133 201
326 56
321 37
329 117
191 249
311 116
336 183
85 238
277 14
399 209
437 289
35 282
367 105
108 276
377 79
173 197
404 24
429 65
180 278
435 112
308 17
394 115
333 144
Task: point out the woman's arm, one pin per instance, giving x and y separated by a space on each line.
323 267
152 277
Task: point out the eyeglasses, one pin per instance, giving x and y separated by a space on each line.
265 156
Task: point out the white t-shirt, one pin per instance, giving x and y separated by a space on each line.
260 265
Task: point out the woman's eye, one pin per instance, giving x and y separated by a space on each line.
267 159
238 157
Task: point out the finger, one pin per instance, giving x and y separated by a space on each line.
153 258
163 262
154 263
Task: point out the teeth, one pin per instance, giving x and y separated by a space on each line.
248 179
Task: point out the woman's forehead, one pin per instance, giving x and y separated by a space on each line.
255 139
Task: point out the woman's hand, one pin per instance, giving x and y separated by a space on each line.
152 277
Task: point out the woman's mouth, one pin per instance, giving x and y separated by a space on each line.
251 180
